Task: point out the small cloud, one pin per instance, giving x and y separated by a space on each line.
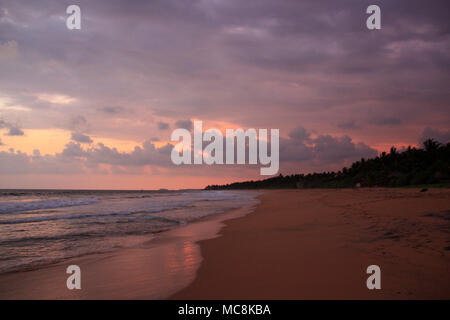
1 143
299 134
111 109
81 138
163 125
78 123
350 124
15 131
184 124
154 139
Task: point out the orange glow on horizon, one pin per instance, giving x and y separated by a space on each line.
52 141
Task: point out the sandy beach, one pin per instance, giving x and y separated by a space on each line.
296 244
317 244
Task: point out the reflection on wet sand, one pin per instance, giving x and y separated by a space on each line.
154 270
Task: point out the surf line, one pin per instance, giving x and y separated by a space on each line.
213 153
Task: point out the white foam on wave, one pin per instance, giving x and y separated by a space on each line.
156 209
11 207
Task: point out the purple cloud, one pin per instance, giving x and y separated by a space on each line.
81 138
163 125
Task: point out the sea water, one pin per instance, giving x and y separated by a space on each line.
38 227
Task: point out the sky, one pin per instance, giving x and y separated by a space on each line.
94 108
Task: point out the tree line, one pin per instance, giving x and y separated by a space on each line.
411 167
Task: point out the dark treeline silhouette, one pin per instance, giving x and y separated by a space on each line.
412 167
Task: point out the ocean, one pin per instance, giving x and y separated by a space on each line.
38 227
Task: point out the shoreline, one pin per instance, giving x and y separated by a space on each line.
317 244
293 244
153 270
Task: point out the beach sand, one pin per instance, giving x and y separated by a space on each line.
317 244
296 244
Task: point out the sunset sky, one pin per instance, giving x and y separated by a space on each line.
94 108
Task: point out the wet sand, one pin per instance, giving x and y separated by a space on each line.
154 270
317 244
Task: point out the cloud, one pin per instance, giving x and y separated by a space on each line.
77 159
184 124
322 150
337 149
300 134
55 98
111 109
349 124
438 135
163 125
262 66
81 138
13 130
300 152
21 163
78 123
